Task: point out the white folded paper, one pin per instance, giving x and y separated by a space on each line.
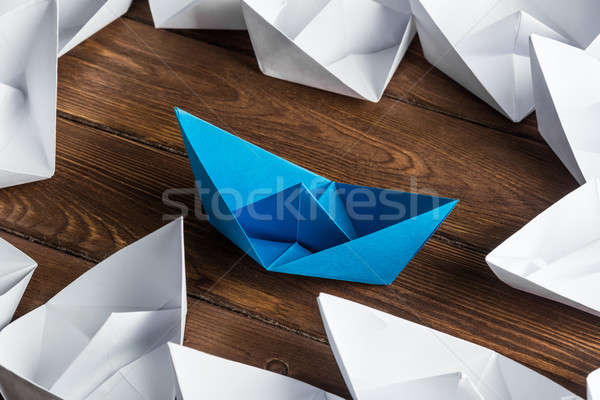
484 44
16 270
385 357
203 376
350 47
197 14
103 336
593 385
556 255
594 48
80 19
566 86
28 71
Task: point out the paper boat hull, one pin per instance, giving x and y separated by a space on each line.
99 338
28 92
204 376
484 46
566 83
363 73
291 220
16 270
555 254
379 353
197 14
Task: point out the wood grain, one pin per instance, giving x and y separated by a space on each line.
119 152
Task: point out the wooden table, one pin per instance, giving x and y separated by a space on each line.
120 150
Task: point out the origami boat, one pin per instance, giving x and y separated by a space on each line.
103 336
16 270
80 19
566 85
484 44
27 90
385 357
197 14
556 254
350 47
203 376
291 220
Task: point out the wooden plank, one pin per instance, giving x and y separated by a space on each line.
210 328
103 200
416 81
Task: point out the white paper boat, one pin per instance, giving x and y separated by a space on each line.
103 336
350 47
566 85
203 376
556 255
16 270
80 19
197 14
28 71
484 44
385 357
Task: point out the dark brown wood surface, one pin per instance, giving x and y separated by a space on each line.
119 152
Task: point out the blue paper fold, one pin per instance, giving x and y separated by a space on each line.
292 220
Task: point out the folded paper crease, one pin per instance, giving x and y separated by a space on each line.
555 254
483 44
16 270
28 77
566 85
204 376
351 47
100 337
384 357
197 14
80 19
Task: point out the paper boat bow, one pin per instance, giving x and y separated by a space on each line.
27 90
556 254
102 336
350 47
291 220
484 44
197 14
16 270
385 357
80 19
203 376
566 85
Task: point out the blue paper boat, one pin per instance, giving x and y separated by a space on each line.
291 220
